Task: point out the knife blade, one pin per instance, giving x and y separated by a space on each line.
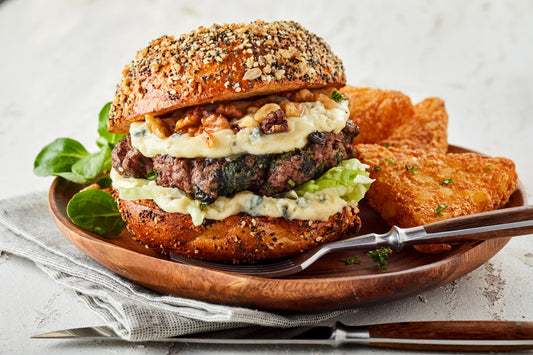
432 335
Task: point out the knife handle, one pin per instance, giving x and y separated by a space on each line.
454 335
487 219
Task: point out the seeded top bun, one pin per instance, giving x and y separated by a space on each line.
220 63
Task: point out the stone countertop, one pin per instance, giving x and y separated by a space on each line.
60 62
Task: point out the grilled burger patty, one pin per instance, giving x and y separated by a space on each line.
207 178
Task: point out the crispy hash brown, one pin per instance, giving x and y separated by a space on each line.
413 187
426 130
377 112
416 183
388 117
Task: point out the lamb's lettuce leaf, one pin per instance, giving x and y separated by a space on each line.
92 209
69 159
95 210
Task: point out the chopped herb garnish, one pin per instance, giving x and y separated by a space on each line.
380 256
337 96
389 160
152 175
447 181
489 168
351 260
413 168
388 145
377 168
291 182
439 209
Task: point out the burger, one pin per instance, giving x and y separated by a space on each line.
238 145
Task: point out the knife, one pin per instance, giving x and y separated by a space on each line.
432 335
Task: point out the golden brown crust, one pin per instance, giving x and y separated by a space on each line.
377 112
388 118
236 238
414 187
427 130
222 62
410 184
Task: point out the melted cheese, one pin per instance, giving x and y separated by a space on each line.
317 206
248 140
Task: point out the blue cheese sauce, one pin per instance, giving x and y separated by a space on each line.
249 140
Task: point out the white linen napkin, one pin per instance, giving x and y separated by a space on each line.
133 311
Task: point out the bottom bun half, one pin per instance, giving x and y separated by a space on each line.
238 238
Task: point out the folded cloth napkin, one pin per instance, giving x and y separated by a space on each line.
134 312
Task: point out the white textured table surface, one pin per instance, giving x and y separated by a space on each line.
60 61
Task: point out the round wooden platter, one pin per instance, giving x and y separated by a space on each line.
328 284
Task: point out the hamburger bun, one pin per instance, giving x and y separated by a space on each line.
222 63
238 238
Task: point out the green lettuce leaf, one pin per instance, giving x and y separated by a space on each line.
58 158
104 135
96 211
349 180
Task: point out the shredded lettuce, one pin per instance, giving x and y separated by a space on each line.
349 180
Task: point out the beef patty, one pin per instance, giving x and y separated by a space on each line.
207 178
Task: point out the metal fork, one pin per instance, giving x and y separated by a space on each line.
478 227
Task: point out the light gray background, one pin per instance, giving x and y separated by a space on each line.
60 62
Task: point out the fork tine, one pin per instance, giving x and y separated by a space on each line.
281 268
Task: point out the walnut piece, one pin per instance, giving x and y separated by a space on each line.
274 122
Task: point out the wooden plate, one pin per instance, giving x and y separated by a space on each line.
328 284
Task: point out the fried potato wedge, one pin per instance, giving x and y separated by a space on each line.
414 187
427 129
377 112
